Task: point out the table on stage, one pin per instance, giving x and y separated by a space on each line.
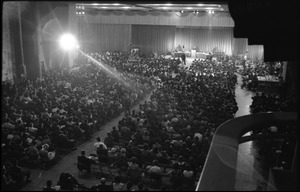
202 55
178 54
268 84
268 79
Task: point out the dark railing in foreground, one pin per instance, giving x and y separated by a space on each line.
219 171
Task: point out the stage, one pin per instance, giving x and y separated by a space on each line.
268 78
193 54
268 84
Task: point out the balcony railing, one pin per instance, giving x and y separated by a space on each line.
219 171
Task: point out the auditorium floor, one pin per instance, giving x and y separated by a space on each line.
248 174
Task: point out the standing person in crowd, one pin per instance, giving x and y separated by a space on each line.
49 187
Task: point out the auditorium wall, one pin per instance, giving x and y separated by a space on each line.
53 25
160 18
8 61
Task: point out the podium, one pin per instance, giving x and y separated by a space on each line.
193 53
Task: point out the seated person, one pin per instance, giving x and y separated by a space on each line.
109 140
115 134
102 187
134 170
165 158
18 174
7 184
188 175
112 154
117 185
102 154
176 178
64 142
67 182
45 155
49 186
155 172
32 151
121 163
98 143
84 163
125 133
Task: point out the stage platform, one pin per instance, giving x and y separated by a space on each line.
268 84
268 78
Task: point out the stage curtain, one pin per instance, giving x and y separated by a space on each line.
104 37
254 51
240 46
205 39
153 38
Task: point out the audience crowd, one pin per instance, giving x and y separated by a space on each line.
175 127
255 68
276 103
172 131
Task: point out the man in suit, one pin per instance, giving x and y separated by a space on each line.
183 58
84 163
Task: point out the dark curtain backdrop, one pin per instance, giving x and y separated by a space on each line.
205 39
96 37
153 38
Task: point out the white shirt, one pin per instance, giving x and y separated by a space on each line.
97 144
187 174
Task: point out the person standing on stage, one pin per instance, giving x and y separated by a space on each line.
244 60
183 59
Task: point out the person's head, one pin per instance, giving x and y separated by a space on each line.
129 185
176 165
103 181
155 150
123 150
83 153
134 160
45 146
145 147
155 162
187 167
180 158
117 179
98 139
113 150
49 183
101 146
140 186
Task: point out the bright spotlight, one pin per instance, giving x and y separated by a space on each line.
68 42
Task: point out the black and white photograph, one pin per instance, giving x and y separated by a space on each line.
150 95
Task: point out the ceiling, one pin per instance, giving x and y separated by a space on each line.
148 7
